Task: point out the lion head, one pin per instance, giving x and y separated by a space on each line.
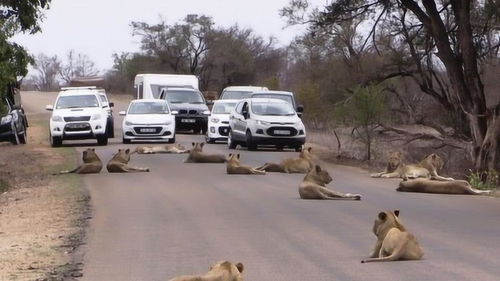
432 162
123 156
395 160
197 147
385 221
305 152
318 176
234 159
89 156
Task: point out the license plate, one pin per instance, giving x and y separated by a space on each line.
148 130
282 132
78 126
188 120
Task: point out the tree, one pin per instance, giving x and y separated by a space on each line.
77 65
443 44
47 69
16 16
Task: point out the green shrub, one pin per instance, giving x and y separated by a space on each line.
484 180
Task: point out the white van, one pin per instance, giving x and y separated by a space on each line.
240 92
149 86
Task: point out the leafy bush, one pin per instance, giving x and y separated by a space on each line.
484 180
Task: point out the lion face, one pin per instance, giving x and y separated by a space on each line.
387 220
435 160
235 270
89 156
319 176
123 155
234 158
197 147
394 160
180 146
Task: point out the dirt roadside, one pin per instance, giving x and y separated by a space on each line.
42 217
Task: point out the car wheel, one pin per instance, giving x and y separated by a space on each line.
102 139
125 141
196 130
280 147
55 141
230 143
204 130
250 143
172 140
110 129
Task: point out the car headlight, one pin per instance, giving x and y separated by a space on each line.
6 119
128 123
96 116
263 123
206 112
214 120
57 118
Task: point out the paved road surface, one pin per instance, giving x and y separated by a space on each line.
180 218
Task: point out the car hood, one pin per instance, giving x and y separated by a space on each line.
148 118
69 112
278 119
221 117
188 106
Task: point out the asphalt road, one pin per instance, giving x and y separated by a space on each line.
180 218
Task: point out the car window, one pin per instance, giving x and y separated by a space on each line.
236 95
195 97
148 108
245 107
286 98
223 108
77 101
272 108
239 107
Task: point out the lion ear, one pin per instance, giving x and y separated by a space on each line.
202 144
238 156
230 154
318 168
93 149
127 151
433 155
382 216
240 267
309 149
396 212
193 143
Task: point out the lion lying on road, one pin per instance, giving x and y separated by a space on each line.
313 187
393 241
222 271
91 164
303 164
427 168
233 167
169 148
196 155
119 163
442 187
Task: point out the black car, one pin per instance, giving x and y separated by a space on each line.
13 123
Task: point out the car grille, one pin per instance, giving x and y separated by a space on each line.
77 118
77 127
224 131
225 122
193 112
277 131
147 130
280 123
183 111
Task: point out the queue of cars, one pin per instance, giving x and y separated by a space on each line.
244 115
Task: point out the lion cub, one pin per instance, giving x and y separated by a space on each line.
393 241
91 164
442 187
233 167
119 163
196 155
221 271
302 164
313 187
175 149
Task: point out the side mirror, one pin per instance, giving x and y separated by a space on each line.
49 107
122 113
111 104
175 112
16 107
209 102
300 108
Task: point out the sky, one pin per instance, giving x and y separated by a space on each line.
99 28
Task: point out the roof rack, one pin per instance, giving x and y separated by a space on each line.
78 88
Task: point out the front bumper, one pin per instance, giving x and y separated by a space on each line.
218 131
144 132
269 135
6 132
190 122
290 141
78 130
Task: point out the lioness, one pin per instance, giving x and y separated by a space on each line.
443 187
427 168
91 164
313 187
172 148
221 271
393 241
303 164
196 155
233 167
119 163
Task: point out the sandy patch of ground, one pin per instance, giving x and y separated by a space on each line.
42 217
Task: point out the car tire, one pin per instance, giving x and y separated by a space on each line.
55 141
230 143
102 139
172 140
110 129
196 130
251 146
125 141
204 130
280 147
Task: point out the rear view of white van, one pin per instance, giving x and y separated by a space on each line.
149 86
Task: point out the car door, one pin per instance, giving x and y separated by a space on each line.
235 121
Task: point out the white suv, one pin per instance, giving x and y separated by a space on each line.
78 113
262 121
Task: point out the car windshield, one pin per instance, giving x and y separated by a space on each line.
286 98
272 108
77 101
235 95
223 108
103 99
148 108
184 97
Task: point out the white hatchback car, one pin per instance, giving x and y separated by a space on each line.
78 113
262 121
148 119
218 122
